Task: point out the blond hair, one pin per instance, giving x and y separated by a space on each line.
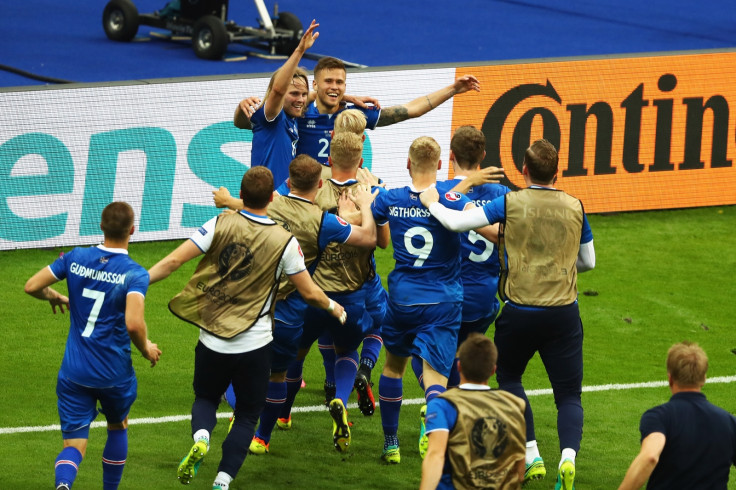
687 364
350 120
346 150
424 153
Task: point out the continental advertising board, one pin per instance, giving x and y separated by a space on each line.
634 134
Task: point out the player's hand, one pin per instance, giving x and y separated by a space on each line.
309 37
488 175
362 195
221 197
61 301
248 106
429 197
339 312
364 102
153 353
364 176
466 83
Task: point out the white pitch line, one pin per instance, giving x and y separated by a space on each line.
318 408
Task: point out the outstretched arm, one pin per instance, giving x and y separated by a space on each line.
488 175
183 253
422 105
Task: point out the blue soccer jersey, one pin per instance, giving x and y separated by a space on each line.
99 280
480 265
274 143
427 255
315 130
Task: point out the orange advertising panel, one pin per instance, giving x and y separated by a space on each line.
633 133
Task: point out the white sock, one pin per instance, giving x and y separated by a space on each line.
223 479
567 453
532 451
202 434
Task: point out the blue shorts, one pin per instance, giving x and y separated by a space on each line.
77 405
426 331
285 345
287 331
376 300
345 337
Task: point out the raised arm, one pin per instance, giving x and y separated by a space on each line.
275 100
137 329
424 104
223 199
244 111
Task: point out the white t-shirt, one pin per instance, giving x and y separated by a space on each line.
260 334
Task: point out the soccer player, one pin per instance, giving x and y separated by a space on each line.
329 84
476 435
275 132
342 272
425 293
544 241
479 266
687 442
229 298
107 290
314 229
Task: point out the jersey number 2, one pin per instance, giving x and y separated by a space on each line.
99 297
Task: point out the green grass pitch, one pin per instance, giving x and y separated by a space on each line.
661 277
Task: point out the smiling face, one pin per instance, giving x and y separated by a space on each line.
329 84
296 97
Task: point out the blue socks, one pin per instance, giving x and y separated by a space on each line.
113 458
346 367
67 465
275 399
433 392
293 385
390 394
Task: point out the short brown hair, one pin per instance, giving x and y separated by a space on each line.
350 120
346 150
478 355
424 153
304 173
468 145
328 63
256 188
687 363
117 220
541 160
